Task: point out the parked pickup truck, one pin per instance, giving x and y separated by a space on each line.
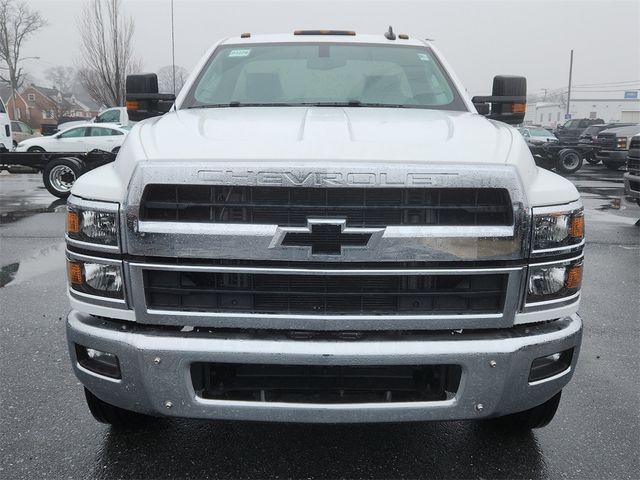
613 145
632 176
324 227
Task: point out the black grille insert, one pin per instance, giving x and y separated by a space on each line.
325 294
291 206
325 384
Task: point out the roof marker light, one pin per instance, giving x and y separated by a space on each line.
325 32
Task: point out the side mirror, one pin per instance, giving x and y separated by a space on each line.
142 97
508 100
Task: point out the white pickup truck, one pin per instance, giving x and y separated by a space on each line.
324 227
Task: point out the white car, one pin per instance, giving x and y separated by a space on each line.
537 135
83 138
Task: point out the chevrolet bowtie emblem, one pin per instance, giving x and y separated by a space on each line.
326 237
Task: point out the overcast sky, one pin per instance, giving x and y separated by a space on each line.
479 38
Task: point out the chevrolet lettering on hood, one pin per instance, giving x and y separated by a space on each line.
322 179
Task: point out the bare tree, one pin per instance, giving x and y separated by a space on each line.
106 51
17 23
165 79
62 78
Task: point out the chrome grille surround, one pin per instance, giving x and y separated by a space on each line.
397 243
196 243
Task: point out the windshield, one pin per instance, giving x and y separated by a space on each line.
323 74
540 132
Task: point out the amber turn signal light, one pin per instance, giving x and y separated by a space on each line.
576 228
133 105
574 277
74 271
518 107
73 222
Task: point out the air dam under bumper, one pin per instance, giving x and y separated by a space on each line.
155 367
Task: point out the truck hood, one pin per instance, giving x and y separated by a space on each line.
320 136
324 134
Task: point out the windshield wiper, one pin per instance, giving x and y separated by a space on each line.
349 103
244 104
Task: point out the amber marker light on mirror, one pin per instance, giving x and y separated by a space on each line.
518 107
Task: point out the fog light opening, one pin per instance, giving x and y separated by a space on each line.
97 361
550 365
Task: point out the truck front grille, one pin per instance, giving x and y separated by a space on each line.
325 294
607 141
361 207
325 384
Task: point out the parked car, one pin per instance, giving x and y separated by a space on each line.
572 129
115 115
632 177
21 131
537 135
83 138
589 136
613 145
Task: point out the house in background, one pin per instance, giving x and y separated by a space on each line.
42 107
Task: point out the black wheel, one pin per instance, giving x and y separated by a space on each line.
536 417
569 161
118 417
35 149
612 166
60 174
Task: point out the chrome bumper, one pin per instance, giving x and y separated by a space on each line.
155 365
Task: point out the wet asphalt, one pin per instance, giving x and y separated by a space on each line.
46 430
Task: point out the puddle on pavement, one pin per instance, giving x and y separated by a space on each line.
25 211
41 262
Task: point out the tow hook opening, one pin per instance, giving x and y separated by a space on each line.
550 365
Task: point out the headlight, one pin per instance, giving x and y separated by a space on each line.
554 281
93 225
622 143
557 230
94 278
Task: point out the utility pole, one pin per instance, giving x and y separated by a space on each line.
173 52
569 91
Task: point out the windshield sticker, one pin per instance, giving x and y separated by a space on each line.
424 57
240 53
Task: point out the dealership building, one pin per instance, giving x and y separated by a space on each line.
550 114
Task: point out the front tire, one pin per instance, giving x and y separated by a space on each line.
60 174
118 417
569 161
36 150
536 417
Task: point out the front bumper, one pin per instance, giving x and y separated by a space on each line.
155 365
632 185
612 156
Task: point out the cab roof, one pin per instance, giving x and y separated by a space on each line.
324 37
